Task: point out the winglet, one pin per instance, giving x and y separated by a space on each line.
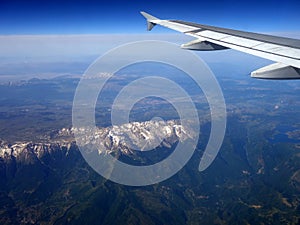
150 20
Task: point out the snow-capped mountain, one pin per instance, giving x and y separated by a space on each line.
126 138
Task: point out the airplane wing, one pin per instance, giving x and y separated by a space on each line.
285 52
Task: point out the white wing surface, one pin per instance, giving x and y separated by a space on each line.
285 52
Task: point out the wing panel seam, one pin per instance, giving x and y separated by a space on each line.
251 47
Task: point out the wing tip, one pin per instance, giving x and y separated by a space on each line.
149 19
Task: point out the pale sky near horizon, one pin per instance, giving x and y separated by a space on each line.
46 56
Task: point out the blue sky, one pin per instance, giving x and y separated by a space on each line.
114 16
